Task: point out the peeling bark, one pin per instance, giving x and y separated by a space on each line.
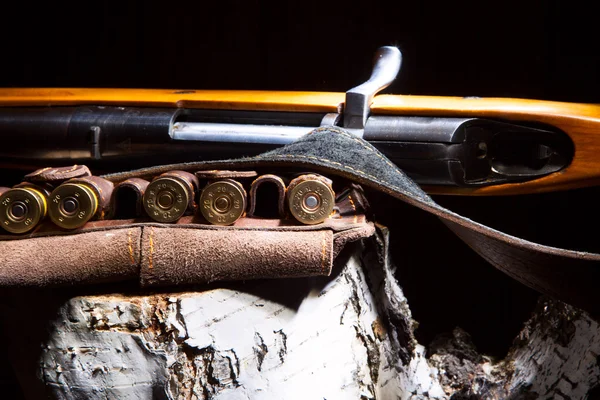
554 357
347 336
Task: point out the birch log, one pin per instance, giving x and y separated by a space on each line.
347 336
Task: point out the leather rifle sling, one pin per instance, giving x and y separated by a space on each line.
571 276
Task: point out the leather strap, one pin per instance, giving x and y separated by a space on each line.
58 175
133 187
571 276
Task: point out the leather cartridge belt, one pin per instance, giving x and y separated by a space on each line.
112 246
63 226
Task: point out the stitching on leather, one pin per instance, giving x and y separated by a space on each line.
140 242
353 209
368 148
347 135
323 250
355 139
66 171
326 161
70 170
398 189
151 246
130 246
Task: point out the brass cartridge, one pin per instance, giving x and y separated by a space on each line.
72 205
223 202
169 196
21 209
78 200
310 198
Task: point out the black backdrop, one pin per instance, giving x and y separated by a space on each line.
529 49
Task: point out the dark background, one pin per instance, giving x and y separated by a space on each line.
532 49
528 49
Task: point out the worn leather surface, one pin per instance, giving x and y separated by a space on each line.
57 175
566 274
88 257
190 251
161 254
268 179
103 190
128 192
224 255
188 180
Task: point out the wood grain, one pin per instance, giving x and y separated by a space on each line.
209 99
580 121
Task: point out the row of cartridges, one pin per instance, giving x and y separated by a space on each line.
220 196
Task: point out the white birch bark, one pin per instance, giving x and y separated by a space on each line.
325 339
348 336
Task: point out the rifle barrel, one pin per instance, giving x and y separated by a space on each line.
60 126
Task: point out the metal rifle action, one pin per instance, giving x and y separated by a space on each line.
447 145
137 207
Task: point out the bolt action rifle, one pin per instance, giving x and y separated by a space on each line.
458 146
449 145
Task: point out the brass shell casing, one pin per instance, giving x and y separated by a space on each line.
223 202
22 209
310 199
166 199
71 205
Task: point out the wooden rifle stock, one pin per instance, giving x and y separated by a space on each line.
581 122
